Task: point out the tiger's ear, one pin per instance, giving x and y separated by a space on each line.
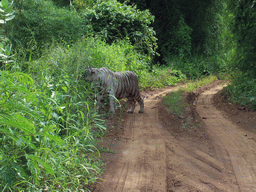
90 69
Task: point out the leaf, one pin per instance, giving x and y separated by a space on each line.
54 138
19 170
82 115
3 56
6 116
27 128
45 165
8 14
4 3
65 89
100 126
9 18
27 142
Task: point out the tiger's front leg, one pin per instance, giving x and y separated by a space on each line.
132 103
99 102
112 101
112 104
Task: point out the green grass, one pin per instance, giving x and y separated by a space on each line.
175 103
193 85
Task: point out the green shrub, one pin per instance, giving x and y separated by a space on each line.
161 76
42 23
242 90
174 101
119 56
197 66
89 51
81 5
48 132
113 21
49 124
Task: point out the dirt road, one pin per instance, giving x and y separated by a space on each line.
150 157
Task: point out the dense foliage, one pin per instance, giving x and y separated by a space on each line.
242 90
40 23
185 27
113 21
244 28
242 22
43 127
48 126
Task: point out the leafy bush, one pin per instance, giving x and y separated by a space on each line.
49 126
81 5
89 51
242 90
42 23
193 68
114 21
47 131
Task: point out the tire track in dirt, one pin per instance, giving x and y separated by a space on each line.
234 150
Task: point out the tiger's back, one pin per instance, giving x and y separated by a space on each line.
127 84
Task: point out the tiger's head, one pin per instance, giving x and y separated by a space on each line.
88 74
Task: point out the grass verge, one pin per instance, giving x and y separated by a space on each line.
175 101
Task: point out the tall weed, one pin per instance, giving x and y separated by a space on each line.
41 23
242 90
119 56
49 127
175 103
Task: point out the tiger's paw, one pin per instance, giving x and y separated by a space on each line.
140 111
129 111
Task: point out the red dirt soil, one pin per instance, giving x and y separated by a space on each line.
209 148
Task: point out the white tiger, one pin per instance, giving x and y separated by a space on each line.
116 84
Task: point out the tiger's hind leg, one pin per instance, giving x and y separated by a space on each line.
132 103
141 102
